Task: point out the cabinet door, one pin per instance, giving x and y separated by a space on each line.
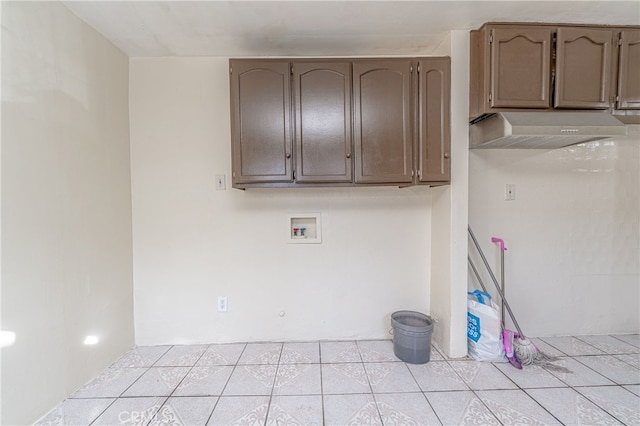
520 67
583 68
434 134
382 121
322 96
629 70
260 121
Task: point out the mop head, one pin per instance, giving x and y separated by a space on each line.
528 354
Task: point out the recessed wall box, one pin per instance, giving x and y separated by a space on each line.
304 228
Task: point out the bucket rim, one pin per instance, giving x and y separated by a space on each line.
415 329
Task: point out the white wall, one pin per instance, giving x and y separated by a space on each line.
572 264
193 243
66 209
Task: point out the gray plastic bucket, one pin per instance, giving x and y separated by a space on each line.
412 336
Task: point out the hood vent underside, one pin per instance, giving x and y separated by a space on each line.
543 130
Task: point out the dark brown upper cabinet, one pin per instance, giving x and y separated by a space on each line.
382 121
583 68
322 99
260 121
434 138
546 66
340 122
516 56
628 92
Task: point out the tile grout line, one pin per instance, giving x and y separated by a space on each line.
366 374
275 377
226 384
598 405
171 394
324 420
120 396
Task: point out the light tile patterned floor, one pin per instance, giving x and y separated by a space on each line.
358 383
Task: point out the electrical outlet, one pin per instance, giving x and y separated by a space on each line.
221 183
222 303
510 192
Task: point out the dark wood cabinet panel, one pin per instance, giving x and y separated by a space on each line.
260 121
628 95
382 121
548 66
434 139
322 98
520 67
583 68
340 122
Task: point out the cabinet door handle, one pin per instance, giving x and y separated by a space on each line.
288 155
349 155
446 155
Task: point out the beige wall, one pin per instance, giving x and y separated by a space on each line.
573 263
66 211
193 243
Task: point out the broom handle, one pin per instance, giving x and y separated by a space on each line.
475 271
495 281
502 283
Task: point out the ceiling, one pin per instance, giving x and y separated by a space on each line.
320 28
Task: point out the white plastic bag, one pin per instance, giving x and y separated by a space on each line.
484 330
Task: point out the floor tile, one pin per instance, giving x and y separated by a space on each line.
595 380
579 374
572 346
334 352
461 408
184 411
436 354
376 350
437 376
251 380
157 381
130 411
632 339
110 383
181 356
570 407
300 353
344 378
295 410
205 381
439 354
610 345
620 403
481 375
72 412
631 359
400 409
531 376
261 353
612 368
387 377
515 407
358 409
142 356
226 354
240 410
298 379
633 388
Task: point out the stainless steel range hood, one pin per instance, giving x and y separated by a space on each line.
543 129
